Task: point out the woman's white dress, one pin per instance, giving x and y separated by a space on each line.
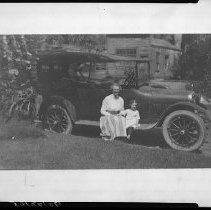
112 125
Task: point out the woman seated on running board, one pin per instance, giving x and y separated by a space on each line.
112 123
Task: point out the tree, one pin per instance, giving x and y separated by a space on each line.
192 64
17 50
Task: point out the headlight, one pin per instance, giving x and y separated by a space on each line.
194 97
203 100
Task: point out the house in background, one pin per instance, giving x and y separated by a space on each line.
160 52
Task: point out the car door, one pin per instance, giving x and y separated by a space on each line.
100 91
86 93
100 88
87 98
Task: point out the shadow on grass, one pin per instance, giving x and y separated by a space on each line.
20 130
150 138
86 131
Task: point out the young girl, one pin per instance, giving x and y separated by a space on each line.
132 117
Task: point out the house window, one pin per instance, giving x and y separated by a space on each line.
126 52
157 61
166 61
144 56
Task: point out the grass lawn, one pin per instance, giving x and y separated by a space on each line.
25 147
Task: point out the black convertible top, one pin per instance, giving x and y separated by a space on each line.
75 55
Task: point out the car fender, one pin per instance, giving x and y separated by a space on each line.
180 106
66 102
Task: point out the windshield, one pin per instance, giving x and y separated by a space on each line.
79 71
121 72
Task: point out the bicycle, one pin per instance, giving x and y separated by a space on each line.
23 105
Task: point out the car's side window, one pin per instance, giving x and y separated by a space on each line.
98 72
57 68
45 68
44 72
79 72
57 71
83 71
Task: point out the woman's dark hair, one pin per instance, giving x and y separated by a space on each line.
133 101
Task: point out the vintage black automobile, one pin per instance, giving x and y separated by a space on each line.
74 86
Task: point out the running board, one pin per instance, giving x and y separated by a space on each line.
88 122
97 123
146 126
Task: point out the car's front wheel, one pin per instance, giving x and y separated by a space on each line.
184 130
58 119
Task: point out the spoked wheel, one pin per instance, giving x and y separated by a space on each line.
58 119
184 130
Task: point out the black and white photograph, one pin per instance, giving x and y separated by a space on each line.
90 104
105 101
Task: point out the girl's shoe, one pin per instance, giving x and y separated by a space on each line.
106 139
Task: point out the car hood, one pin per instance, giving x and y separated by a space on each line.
179 92
173 95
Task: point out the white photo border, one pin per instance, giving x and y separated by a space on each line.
142 185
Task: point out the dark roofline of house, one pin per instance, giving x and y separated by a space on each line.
154 41
161 43
85 55
166 47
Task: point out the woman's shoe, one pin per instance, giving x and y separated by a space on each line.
106 138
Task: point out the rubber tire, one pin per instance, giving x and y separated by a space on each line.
202 126
65 109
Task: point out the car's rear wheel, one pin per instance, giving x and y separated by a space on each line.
58 119
184 130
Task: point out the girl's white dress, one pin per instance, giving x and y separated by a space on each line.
132 118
